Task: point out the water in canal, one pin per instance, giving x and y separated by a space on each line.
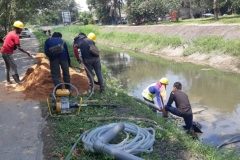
214 90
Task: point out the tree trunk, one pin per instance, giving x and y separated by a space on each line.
5 17
119 7
216 9
191 9
115 11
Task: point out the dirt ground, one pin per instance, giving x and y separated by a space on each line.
187 33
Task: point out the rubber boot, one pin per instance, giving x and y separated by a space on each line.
97 83
16 79
8 79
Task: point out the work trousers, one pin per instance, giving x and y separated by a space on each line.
188 119
55 71
94 64
9 63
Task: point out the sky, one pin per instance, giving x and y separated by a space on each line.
83 5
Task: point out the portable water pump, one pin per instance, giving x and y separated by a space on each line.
60 101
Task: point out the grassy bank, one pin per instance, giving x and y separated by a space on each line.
137 41
228 19
172 143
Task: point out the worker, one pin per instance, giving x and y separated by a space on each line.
183 108
92 36
11 43
56 61
157 90
90 61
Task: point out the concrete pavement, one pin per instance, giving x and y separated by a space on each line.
19 118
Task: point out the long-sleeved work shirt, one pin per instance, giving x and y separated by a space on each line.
181 101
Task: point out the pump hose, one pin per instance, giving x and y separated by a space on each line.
143 141
229 141
91 81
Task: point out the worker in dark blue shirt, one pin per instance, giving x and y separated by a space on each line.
62 60
90 61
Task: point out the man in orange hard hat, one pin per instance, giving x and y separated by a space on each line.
11 43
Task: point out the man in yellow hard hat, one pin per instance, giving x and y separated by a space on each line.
11 43
92 36
157 90
90 61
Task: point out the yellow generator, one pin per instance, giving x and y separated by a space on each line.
60 102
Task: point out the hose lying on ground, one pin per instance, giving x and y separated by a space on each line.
143 141
229 141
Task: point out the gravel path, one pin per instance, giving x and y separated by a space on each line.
19 118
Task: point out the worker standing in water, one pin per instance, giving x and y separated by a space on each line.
11 43
157 90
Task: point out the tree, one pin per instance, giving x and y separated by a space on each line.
35 11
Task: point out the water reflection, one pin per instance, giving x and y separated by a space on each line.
219 92
136 74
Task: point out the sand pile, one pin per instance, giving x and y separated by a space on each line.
40 56
38 81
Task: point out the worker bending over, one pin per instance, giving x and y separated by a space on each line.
157 90
11 43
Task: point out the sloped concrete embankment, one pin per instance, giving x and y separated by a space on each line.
186 33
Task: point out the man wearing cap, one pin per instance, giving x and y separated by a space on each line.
11 43
90 61
157 90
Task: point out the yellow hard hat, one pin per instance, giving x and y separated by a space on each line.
164 81
18 24
92 36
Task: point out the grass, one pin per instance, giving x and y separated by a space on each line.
228 19
213 44
137 41
170 144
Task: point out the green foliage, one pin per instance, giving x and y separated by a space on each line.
41 38
90 21
213 44
42 12
85 21
84 15
101 9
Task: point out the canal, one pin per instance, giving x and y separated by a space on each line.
215 91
